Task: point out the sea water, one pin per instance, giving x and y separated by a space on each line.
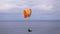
37 27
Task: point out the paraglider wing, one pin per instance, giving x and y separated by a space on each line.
27 13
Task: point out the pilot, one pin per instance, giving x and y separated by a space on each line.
29 30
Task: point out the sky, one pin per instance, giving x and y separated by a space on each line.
41 9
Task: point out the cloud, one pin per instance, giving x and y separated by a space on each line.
6 4
44 9
40 4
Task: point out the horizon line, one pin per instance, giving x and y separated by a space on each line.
29 20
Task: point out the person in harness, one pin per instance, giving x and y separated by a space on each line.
29 30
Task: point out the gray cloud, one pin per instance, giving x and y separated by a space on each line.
41 9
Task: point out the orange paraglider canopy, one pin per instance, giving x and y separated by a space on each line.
27 12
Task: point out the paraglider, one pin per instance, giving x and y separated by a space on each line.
27 12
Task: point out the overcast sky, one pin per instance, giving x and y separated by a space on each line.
41 9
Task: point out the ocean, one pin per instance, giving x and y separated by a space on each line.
37 27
